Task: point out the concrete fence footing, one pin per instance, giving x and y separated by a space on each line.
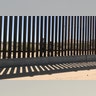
46 60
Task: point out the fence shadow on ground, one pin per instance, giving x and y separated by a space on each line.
23 71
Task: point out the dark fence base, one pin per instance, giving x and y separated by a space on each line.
46 60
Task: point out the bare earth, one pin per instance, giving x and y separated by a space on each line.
79 75
68 71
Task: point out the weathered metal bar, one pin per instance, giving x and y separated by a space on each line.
90 33
56 35
74 32
24 38
85 34
29 35
15 36
80 32
37 37
62 35
0 35
95 35
52 35
10 37
83 38
77 33
65 33
88 37
5 37
33 35
71 35
20 34
59 35
68 34
41 37
45 35
49 35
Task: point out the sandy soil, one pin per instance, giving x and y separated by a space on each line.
31 72
79 75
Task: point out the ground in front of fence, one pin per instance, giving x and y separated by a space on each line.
72 71
79 75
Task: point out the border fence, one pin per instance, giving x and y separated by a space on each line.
45 36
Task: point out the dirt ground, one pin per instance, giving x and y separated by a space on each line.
68 71
79 75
